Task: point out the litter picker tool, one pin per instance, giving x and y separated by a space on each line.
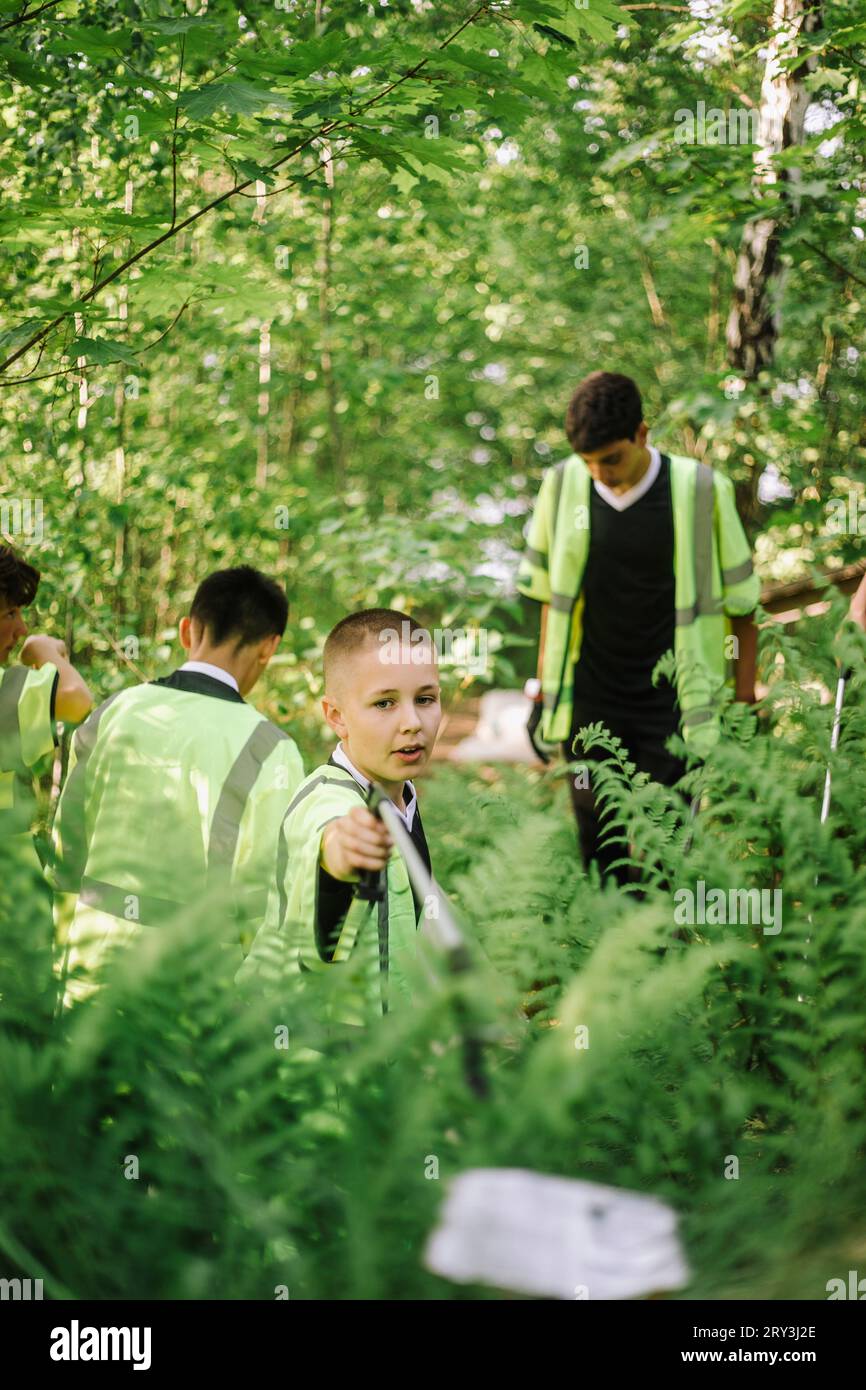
844 677
439 926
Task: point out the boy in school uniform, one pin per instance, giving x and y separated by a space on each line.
43 688
382 699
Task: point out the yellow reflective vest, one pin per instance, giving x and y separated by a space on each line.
714 581
377 943
173 799
26 737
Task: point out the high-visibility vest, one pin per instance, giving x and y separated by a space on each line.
714 581
26 737
377 944
173 799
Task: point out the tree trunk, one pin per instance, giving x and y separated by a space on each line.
753 326
326 271
264 404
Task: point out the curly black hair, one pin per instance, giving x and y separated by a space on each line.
18 579
605 407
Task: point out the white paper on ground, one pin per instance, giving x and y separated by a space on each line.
555 1237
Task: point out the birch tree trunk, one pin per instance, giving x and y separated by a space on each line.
753 325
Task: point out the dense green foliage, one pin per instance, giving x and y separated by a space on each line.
310 284
370 372
263 1166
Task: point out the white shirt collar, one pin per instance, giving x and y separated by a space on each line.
619 501
341 756
205 668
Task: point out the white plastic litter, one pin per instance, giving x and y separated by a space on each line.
500 735
555 1237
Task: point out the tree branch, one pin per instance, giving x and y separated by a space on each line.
118 651
843 269
92 366
174 135
173 231
22 18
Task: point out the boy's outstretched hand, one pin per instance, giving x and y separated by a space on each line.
353 842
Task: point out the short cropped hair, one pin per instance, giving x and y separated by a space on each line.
240 603
605 407
354 632
18 579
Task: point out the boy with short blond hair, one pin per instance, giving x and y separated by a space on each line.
382 699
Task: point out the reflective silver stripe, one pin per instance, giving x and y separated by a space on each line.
127 905
11 756
703 540
235 794
146 911
738 573
538 558
561 603
552 702
282 847
688 615
150 912
698 716
69 864
324 780
560 471
706 603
